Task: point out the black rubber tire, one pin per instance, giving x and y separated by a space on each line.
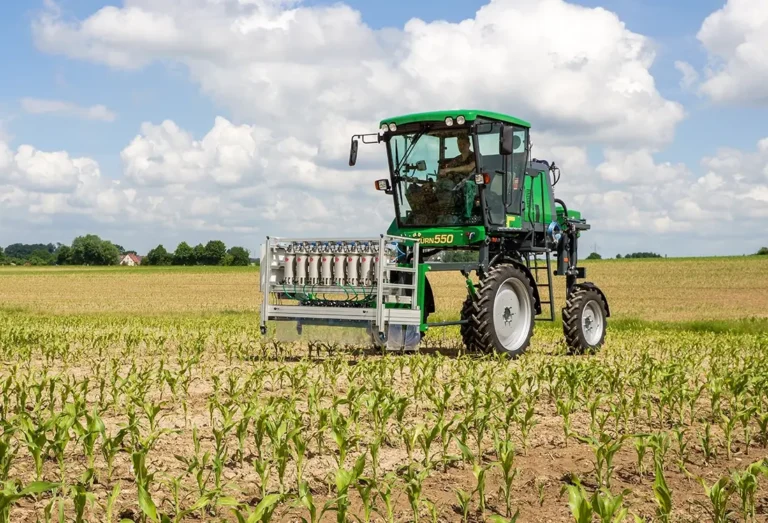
466 330
572 314
480 335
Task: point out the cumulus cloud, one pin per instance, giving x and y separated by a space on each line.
736 37
58 107
690 76
288 63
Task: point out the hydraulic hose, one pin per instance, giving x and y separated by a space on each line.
562 204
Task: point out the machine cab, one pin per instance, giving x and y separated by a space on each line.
455 169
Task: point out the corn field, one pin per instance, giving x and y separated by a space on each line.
154 417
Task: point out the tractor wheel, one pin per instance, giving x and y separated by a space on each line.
584 320
466 330
503 312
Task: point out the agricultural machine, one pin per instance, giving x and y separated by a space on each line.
464 187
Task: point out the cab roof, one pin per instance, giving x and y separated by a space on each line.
439 116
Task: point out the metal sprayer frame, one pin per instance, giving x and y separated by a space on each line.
380 316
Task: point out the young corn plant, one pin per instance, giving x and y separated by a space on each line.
728 423
659 443
505 454
707 443
719 493
609 508
464 503
605 449
367 495
262 513
414 477
344 480
641 448
564 409
662 495
579 503
384 489
13 491
35 439
745 484
81 497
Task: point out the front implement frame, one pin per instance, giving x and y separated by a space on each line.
397 300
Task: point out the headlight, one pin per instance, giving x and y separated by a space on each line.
384 128
554 232
449 121
393 127
461 120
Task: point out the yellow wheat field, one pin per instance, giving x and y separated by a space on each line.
659 290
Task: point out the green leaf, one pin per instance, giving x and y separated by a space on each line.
147 505
37 487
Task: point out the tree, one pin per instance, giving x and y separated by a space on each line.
215 250
199 252
159 256
92 250
618 256
240 256
763 251
23 251
184 255
643 255
41 257
63 255
120 249
594 256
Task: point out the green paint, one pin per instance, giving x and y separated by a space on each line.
441 236
424 268
471 288
439 116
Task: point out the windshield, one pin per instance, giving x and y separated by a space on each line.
434 178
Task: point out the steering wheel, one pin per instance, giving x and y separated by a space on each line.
462 182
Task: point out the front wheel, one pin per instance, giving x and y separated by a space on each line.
502 314
584 319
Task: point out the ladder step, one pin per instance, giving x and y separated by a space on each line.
398 285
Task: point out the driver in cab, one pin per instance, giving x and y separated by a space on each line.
458 168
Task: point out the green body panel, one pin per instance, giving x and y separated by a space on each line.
439 116
538 199
424 268
441 236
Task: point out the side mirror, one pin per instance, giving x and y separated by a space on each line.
506 141
353 152
421 165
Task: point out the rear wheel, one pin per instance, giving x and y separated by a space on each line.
502 314
584 319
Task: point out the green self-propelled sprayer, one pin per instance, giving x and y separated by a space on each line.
460 180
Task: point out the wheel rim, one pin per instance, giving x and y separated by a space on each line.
592 323
512 314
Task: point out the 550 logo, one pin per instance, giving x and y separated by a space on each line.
438 239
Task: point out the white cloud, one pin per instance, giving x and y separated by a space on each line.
736 38
690 75
585 79
94 112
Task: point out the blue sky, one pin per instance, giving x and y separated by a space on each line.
165 89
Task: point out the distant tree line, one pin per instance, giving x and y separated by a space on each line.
85 250
214 252
763 251
639 255
92 250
